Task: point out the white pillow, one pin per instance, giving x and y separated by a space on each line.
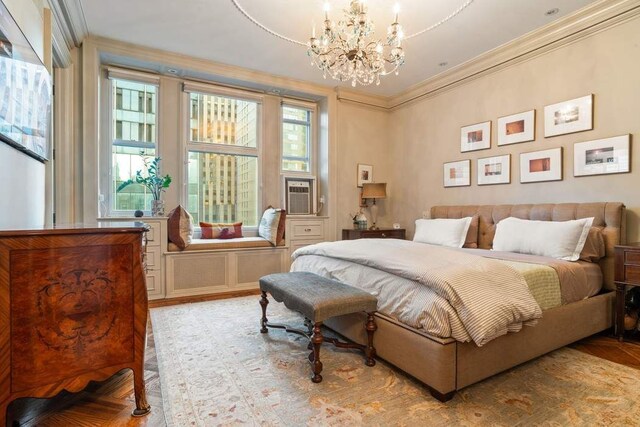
554 239
443 232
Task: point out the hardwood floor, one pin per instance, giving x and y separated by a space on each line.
110 403
101 404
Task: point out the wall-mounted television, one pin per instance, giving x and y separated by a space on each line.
25 92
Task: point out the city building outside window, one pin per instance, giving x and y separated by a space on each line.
222 174
134 130
297 141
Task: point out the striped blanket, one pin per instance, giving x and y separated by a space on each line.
489 297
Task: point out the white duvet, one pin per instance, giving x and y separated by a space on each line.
444 292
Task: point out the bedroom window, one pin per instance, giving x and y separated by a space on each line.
134 132
222 159
297 138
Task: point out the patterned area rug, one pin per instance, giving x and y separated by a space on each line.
217 369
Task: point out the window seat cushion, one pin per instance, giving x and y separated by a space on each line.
209 244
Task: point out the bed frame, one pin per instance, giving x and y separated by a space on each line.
446 365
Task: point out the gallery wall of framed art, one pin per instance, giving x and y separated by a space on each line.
546 163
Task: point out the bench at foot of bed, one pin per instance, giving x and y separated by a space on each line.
318 299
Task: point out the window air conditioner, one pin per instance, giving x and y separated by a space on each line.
300 196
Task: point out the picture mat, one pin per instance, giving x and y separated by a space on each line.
494 170
469 134
553 167
528 119
571 116
457 174
592 157
365 174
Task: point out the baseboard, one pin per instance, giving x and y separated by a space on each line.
201 298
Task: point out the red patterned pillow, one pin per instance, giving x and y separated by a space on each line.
213 230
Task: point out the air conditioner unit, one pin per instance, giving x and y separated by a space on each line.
300 196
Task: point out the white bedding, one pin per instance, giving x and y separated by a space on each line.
446 293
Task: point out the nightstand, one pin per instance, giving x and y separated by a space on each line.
382 233
627 273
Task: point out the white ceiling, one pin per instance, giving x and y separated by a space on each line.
216 30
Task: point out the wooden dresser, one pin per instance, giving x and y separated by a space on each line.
73 308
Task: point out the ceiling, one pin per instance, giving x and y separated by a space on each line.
216 30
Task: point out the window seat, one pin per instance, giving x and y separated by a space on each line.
213 244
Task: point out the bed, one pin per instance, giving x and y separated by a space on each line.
446 364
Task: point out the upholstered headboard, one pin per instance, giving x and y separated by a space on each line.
610 216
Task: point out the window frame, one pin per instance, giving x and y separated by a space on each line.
224 149
312 108
105 198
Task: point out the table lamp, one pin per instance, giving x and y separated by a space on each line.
374 191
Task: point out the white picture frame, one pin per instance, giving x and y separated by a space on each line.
365 174
602 156
517 128
575 115
457 174
541 166
494 170
475 137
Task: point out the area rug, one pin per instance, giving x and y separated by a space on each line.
217 369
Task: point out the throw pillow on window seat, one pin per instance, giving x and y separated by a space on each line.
180 227
272 224
218 230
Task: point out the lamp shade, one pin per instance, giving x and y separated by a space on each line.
374 191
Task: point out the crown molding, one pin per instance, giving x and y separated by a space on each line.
179 61
585 22
362 98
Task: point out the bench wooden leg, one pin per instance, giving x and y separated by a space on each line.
263 322
316 340
370 351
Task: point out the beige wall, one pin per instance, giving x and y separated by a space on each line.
362 138
426 133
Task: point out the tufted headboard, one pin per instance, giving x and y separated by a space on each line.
610 216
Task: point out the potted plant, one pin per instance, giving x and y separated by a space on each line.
155 183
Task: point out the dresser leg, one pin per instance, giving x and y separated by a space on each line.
142 407
4 415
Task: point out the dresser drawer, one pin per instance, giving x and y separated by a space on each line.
307 230
152 258
632 257
632 273
153 235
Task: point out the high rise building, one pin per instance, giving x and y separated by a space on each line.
223 187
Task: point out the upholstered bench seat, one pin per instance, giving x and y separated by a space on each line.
318 299
315 297
212 244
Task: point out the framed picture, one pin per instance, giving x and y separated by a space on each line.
602 156
571 116
365 174
538 166
475 137
517 128
457 174
494 170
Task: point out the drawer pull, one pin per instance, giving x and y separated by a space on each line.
307 230
383 235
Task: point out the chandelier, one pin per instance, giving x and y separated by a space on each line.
348 50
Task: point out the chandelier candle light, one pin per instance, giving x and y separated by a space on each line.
349 50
